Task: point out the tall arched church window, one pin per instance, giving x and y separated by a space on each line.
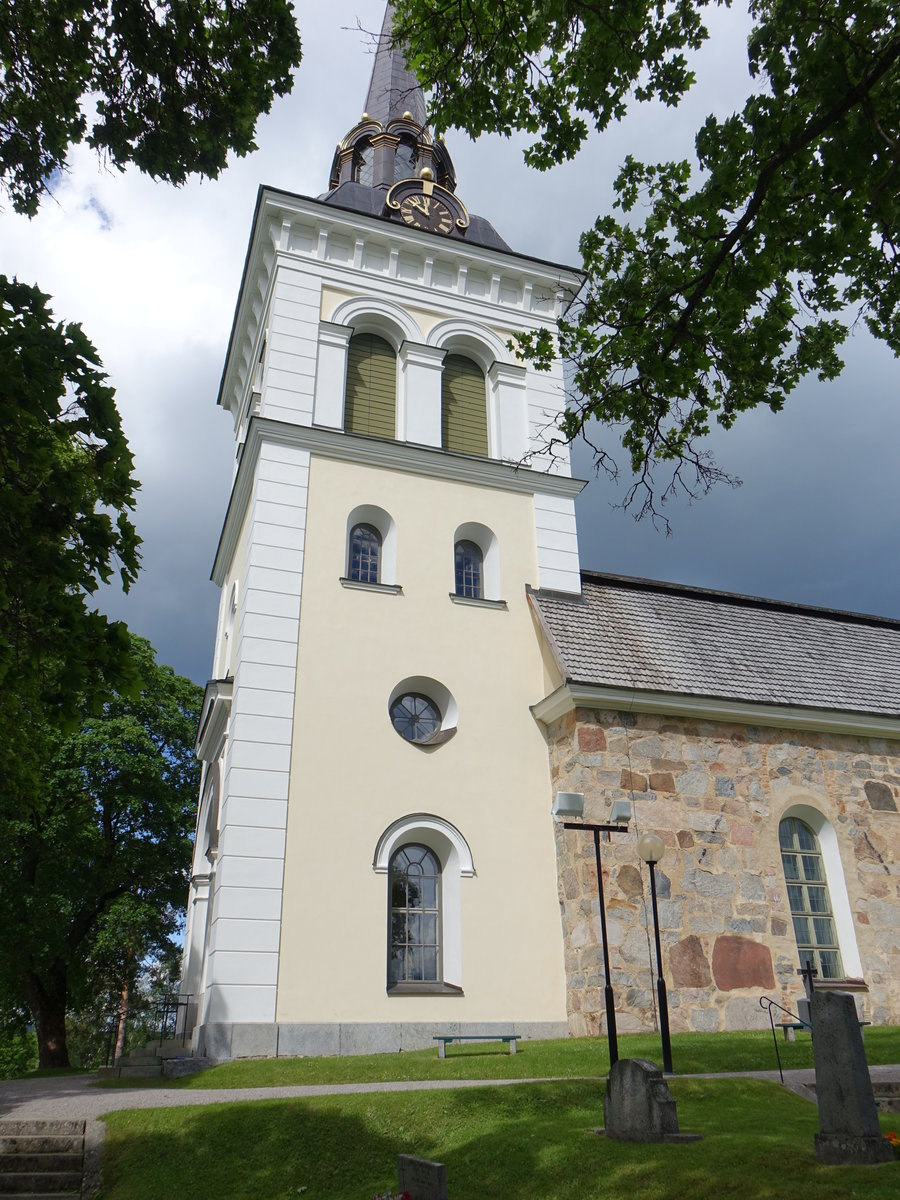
463 406
469 570
414 882
365 554
371 398
364 164
811 911
405 159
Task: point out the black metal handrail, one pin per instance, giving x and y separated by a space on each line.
765 1002
167 1011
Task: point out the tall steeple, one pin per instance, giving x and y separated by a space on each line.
391 141
393 90
392 144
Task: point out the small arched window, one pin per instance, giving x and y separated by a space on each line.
414 885
364 164
811 911
469 570
405 159
371 398
365 554
463 406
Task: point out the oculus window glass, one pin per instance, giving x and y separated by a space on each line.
415 717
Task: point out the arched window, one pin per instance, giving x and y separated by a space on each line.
365 554
371 397
469 570
414 883
364 164
405 159
463 406
811 910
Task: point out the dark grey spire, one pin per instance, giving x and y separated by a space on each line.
392 143
393 91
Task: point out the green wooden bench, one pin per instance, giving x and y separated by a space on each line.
790 1026
444 1038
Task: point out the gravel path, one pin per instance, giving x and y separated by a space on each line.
71 1097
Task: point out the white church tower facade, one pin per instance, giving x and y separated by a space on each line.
375 860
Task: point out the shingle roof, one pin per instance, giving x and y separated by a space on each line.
637 633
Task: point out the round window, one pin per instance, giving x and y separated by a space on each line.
415 717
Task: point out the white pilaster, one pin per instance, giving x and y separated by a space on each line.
508 402
419 410
290 372
242 963
557 543
331 374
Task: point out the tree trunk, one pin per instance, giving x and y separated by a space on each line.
46 996
123 1020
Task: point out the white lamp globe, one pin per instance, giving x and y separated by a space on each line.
651 847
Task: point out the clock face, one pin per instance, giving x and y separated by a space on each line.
426 212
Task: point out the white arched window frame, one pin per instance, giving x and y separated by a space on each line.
362 314
452 849
486 541
837 887
384 523
505 392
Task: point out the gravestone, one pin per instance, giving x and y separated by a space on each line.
638 1106
848 1118
422 1179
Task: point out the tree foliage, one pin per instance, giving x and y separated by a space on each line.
66 488
94 860
170 85
726 280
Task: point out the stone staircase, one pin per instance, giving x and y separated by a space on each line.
171 1058
41 1160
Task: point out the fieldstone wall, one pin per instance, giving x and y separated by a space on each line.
715 793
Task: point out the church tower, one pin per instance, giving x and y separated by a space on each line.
375 859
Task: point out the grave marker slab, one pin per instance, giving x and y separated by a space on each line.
849 1131
421 1178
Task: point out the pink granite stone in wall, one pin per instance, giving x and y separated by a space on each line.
591 739
688 964
739 962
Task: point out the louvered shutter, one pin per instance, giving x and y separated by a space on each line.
463 406
371 398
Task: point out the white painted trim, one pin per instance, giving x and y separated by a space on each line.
837 887
368 314
570 696
413 825
214 715
456 863
471 338
375 452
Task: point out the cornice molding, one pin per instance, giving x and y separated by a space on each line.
412 459
214 715
570 696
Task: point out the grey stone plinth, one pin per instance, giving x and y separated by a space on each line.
838 1148
638 1106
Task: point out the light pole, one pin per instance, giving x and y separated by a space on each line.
650 848
611 1035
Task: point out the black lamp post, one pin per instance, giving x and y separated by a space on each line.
651 848
611 1034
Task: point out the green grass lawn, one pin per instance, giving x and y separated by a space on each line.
692 1053
533 1142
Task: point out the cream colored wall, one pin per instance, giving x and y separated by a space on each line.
425 319
352 775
